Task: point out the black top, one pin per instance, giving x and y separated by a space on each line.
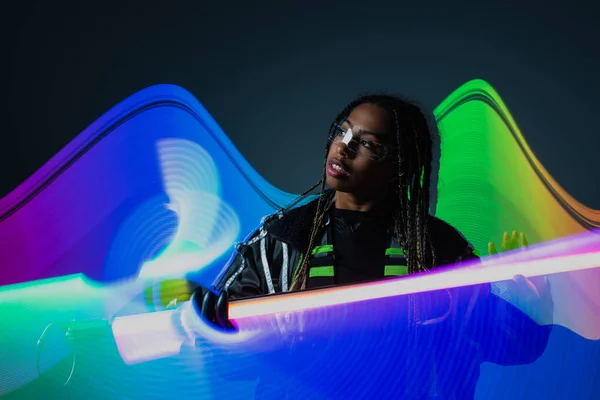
359 242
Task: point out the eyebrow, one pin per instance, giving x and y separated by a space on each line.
378 136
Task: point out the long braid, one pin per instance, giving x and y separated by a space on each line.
301 274
408 197
413 194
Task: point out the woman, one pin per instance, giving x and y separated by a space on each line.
371 223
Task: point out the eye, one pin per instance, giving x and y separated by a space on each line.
367 144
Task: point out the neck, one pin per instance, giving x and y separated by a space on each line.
348 201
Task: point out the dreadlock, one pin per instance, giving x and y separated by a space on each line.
409 197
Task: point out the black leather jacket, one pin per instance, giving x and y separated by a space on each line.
445 359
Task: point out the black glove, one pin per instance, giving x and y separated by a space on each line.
214 308
231 365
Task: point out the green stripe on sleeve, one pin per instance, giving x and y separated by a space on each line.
323 249
396 270
321 271
393 251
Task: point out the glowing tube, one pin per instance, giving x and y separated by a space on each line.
426 282
146 337
161 334
150 336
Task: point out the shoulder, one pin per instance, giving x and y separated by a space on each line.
293 226
449 243
443 230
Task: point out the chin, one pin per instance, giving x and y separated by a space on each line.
333 183
339 185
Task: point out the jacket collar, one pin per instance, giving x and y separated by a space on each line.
295 225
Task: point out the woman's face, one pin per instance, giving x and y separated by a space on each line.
353 168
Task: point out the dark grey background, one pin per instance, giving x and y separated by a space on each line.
268 70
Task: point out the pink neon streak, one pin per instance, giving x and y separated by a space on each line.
397 287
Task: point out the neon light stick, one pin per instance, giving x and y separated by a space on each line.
150 336
158 332
146 337
421 283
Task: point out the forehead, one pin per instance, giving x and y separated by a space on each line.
369 117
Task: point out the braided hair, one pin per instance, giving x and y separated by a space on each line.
409 198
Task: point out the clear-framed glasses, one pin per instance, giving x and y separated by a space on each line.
360 144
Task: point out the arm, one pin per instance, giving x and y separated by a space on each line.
257 268
242 277
504 334
515 338
245 276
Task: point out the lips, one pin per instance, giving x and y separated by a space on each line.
336 168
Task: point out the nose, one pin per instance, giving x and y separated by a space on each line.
343 150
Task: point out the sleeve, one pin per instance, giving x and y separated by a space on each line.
259 266
254 271
503 334
245 276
